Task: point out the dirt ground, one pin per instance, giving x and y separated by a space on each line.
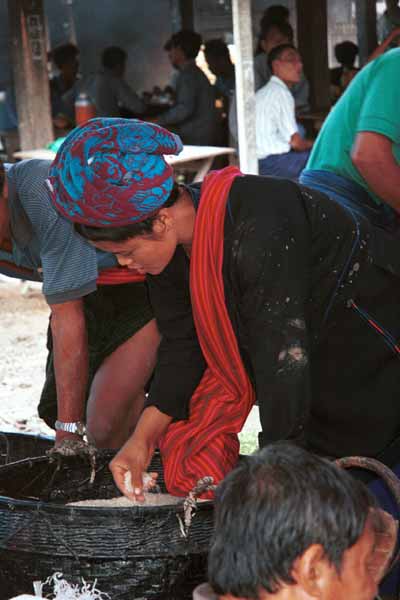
23 324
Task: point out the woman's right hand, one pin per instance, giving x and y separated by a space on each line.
135 456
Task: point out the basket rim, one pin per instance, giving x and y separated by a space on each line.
9 501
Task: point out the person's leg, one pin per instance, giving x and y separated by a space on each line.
117 392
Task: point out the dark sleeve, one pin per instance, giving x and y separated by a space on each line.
128 98
186 98
180 363
273 274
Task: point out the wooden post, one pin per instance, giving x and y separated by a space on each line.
187 14
366 28
312 34
28 51
245 98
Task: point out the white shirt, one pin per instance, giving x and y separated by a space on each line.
275 118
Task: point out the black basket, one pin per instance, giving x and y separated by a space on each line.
138 552
17 446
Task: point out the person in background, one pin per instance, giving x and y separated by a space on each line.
389 20
64 86
275 34
112 95
345 53
193 117
356 156
275 14
281 150
289 525
392 41
219 62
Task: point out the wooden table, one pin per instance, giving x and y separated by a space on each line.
198 157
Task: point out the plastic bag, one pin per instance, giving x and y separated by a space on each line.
62 590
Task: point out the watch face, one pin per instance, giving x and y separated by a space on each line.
80 429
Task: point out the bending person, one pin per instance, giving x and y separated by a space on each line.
262 289
102 336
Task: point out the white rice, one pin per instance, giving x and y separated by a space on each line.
122 501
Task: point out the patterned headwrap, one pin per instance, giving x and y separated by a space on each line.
112 172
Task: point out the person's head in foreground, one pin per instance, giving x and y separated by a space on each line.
110 178
285 62
290 525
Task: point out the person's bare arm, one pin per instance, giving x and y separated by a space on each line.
373 157
299 144
135 455
70 361
384 45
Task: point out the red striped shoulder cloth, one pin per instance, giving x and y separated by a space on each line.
207 443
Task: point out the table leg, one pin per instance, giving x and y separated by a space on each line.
203 169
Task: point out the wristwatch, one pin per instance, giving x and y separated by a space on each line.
75 427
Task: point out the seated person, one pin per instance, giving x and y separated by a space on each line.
340 77
292 526
64 86
280 148
275 34
193 116
112 95
356 157
219 62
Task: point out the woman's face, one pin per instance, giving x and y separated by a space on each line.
149 253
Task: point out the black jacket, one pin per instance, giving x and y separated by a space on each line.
308 285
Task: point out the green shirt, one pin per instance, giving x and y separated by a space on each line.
370 103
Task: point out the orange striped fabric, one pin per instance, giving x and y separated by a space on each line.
207 443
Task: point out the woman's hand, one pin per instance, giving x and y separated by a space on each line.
135 456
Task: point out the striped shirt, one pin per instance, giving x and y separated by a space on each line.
46 242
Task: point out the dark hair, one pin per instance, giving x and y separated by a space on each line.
217 48
346 53
64 54
277 13
125 232
277 52
2 176
274 506
112 57
187 40
284 28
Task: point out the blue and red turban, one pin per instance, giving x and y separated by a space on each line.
112 172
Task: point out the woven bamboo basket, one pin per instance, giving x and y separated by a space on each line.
17 446
139 552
